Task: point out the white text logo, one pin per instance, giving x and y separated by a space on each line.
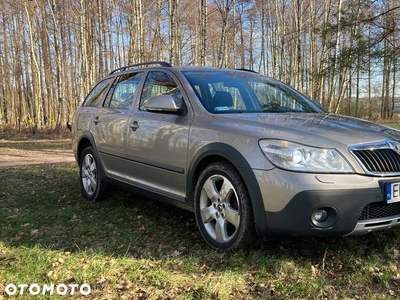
59 289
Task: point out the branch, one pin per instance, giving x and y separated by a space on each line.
380 15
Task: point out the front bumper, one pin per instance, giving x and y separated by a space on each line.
351 211
354 203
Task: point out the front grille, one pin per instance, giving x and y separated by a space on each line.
378 210
379 160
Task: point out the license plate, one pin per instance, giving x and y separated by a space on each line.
393 192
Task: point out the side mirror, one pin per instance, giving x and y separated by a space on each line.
164 104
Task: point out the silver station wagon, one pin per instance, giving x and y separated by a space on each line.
247 154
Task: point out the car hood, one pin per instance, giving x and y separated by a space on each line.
320 130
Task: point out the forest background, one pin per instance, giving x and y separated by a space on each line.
343 53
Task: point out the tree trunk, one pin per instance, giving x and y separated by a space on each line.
36 74
59 67
224 11
173 30
203 32
334 79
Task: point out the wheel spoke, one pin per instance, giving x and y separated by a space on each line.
232 216
226 189
209 188
207 214
85 181
92 167
221 234
92 183
88 161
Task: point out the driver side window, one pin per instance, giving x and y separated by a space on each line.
124 91
160 83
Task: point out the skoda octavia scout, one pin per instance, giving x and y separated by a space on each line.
247 154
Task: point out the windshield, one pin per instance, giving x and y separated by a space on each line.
227 91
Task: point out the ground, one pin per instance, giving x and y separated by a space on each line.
25 152
130 247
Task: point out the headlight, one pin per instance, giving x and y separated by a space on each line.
297 157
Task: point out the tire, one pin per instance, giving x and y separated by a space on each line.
92 186
223 208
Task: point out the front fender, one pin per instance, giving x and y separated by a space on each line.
218 151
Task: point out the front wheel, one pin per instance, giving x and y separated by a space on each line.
92 186
223 208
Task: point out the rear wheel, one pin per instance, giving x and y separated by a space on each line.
223 209
92 186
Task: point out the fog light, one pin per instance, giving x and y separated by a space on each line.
324 217
320 215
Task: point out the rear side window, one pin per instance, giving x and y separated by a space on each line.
125 91
96 96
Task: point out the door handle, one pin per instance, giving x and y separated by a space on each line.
96 120
134 126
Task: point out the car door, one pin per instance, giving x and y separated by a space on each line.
110 124
91 105
157 142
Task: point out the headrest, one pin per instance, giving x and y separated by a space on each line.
222 98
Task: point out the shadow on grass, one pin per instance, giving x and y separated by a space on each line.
43 205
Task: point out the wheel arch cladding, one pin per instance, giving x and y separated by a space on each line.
83 144
216 152
87 140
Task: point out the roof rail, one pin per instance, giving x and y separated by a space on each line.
247 70
161 63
